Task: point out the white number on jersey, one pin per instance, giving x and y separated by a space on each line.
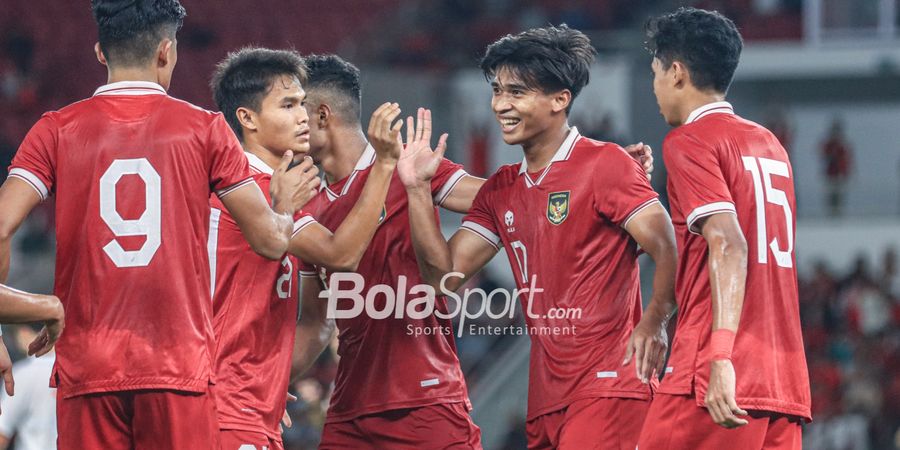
149 224
762 170
285 278
518 248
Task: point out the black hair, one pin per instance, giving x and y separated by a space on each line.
707 42
244 78
130 30
547 59
338 78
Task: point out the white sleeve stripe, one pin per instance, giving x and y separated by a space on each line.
639 209
212 245
302 223
485 234
448 186
308 274
708 210
31 179
223 192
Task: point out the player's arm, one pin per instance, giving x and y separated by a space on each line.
17 199
727 276
466 253
315 329
460 198
652 229
268 229
342 251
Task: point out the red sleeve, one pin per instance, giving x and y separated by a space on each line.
621 188
448 175
480 219
229 168
695 177
35 161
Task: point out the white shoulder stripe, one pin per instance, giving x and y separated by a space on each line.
485 234
302 223
708 210
448 186
32 180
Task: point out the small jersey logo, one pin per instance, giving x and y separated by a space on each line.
508 218
383 214
558 207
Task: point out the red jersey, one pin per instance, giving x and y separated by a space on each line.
717 163
132 170
255 311
417 370
564 228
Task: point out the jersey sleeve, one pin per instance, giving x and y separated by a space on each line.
35 161
302 220
447 177
621 188
229 169
307 269
480 218
695 174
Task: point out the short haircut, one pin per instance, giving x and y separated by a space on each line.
334 77
129 31
706 42
546 59
245 77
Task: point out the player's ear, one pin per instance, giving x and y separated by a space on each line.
247 118
679 74
561 100
99 52
322 115
165 53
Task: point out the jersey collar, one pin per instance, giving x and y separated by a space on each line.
562 154
258 164
709 108
365 160
130 88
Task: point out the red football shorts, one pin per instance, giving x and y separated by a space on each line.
676 422
593 423
147 419
445 426
247 440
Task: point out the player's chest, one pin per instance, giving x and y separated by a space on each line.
545 212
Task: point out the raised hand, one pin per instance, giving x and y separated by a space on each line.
643 154
384 133
292 187
418 162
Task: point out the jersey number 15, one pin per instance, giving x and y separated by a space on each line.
762 170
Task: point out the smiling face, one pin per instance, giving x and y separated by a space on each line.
523 112
282 120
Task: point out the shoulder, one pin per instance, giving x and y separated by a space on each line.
596 155
504 176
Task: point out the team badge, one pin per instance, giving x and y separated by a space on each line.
558 207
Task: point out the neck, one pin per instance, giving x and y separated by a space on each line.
271 159
697 100
346 147
540 150
132 74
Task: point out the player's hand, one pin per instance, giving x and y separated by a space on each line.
6 370
286 418
418 162
384 133
643 154
48 336
647 345
720 395
292 187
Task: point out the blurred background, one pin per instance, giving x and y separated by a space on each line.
824 75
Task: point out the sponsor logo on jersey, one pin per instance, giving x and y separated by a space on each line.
558 207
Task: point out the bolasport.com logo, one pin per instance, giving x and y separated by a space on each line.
419 301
